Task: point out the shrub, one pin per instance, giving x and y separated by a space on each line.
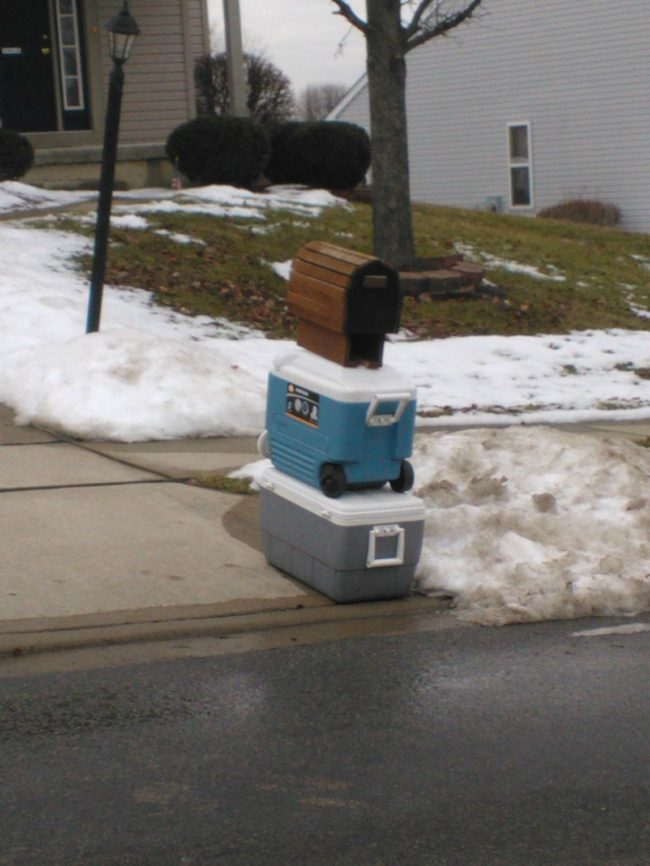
329 154
281 167
16 155
228 150
578 210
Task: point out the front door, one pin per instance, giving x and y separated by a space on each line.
27 95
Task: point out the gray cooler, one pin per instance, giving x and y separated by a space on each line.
365 545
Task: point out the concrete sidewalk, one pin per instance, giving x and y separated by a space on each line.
99 534
108 542
111 542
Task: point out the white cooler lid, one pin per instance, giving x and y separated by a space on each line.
347 384
354 508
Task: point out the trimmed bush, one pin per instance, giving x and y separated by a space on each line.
579 210
225 150
335 155
282 166
16 155
329 154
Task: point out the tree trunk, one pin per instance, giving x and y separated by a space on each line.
392 220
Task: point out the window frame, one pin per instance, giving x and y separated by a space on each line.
520 162
78 77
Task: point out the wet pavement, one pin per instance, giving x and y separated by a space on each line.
524 746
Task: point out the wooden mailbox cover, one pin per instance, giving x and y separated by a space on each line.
345 301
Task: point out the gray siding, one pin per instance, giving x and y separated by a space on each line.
158 93
580 79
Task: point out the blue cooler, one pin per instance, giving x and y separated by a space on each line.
338 428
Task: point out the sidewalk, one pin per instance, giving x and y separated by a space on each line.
107 542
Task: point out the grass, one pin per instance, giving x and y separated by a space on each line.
230 275
215 481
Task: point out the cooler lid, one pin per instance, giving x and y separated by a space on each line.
354 508
347 384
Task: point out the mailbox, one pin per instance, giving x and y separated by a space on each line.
345 301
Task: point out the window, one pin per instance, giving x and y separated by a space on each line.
520 165
70 56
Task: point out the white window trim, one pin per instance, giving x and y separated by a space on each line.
521 163
78 77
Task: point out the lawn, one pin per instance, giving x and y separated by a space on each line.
572 277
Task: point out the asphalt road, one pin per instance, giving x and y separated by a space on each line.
464 746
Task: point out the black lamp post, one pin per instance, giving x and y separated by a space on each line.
122 31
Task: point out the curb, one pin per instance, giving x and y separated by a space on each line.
18 643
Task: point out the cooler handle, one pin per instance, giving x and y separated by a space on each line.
381 532
374 420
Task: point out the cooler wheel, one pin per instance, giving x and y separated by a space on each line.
405 479
263 447
332 480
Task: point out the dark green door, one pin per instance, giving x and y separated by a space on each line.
27 99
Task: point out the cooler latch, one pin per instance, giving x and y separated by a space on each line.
374 419
385 546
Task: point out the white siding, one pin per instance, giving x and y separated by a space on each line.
580 77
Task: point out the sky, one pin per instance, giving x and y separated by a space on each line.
301 37
524 522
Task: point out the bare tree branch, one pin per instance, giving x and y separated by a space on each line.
423 33
348 13
414 26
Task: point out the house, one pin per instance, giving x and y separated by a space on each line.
532 103
54 69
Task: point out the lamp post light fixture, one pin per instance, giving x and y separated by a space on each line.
122 31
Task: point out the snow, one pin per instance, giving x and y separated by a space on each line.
17 196
511 266
228 201
179 238
97 384
585 376
534 523
282 269
125 221
522 523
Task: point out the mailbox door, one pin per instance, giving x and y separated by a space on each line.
373 302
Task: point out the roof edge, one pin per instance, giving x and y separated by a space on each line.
352 93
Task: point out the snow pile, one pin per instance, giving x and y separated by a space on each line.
534 524
150 373
127 385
